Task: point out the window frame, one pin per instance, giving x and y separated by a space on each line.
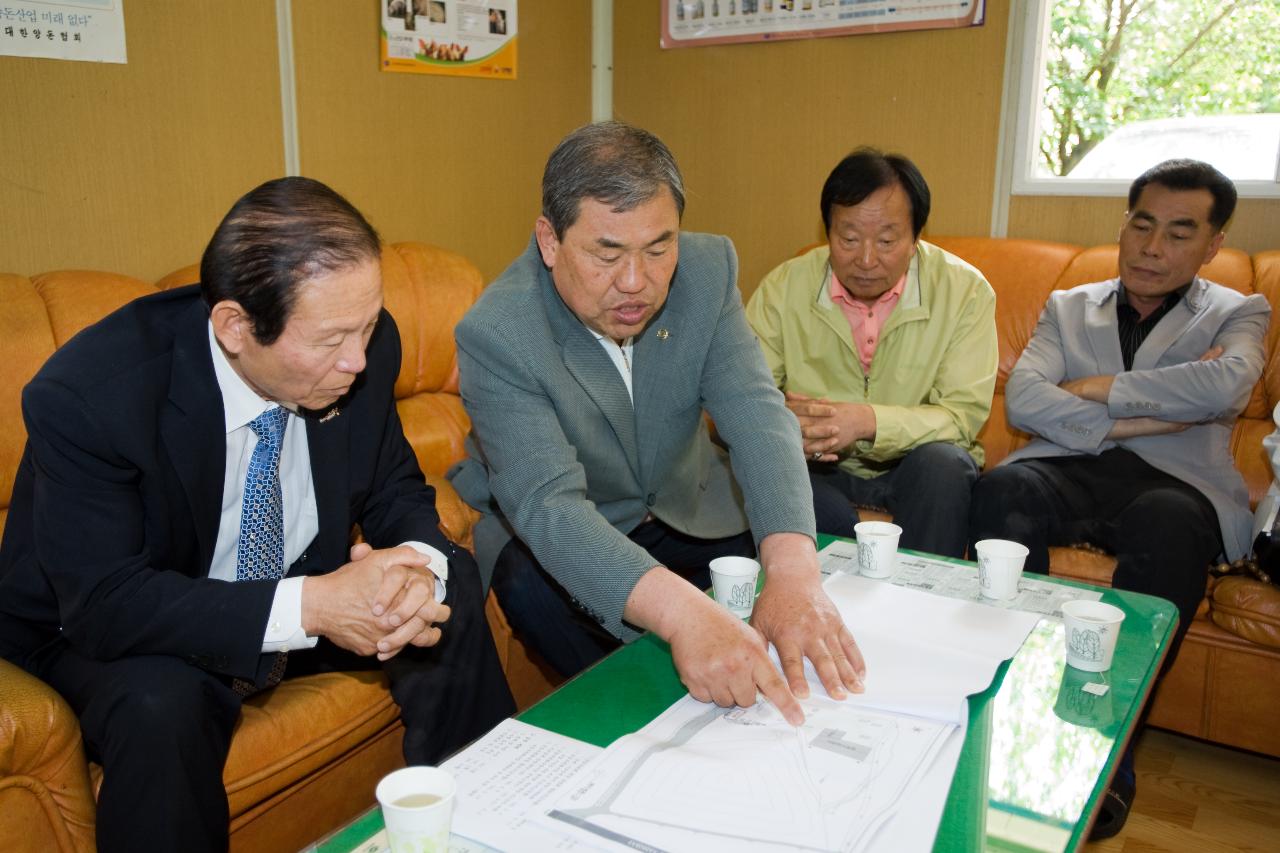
1028 39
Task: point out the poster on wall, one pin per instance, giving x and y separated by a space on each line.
462 39
85 30
691 23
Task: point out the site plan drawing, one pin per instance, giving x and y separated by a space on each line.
706 778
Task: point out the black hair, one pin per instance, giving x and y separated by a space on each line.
275 237
866 170
1185 174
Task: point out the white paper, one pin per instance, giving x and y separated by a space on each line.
87 30
501 776
742 779
925 654
953 580
871 773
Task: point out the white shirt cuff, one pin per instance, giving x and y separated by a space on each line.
284 625
439 565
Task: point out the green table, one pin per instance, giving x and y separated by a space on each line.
1038 753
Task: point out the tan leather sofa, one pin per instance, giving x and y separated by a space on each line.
306 755
1225 685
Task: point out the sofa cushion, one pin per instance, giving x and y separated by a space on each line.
1249 609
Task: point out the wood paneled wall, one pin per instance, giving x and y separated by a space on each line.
454 161
128 168
757 127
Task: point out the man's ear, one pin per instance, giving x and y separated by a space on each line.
1214 245
548 243
231 325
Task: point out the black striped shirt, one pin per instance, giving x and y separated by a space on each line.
1134 330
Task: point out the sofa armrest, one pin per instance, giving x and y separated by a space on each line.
45 798
456 518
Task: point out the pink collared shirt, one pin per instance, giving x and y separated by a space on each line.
866 321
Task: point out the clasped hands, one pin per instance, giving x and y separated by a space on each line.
380 602
828 428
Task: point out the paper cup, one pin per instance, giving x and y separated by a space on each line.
1000 567
1091 631
877 547
417 807
733 582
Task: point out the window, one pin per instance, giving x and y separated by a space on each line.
1105 89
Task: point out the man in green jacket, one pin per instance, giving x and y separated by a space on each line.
886 349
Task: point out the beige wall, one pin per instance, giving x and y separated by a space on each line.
128 168
757 127
454 161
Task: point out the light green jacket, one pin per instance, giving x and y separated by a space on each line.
934 369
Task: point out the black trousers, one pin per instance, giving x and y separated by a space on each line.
1163 532
545 616
161 728
927 491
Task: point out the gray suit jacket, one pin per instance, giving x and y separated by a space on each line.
560 457
1077 336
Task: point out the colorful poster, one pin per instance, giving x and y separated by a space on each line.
464 39
690 23
85 30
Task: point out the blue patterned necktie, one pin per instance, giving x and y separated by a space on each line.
260 552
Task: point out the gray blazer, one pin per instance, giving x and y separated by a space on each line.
560 457
1077 336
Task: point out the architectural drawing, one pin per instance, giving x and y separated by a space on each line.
706 778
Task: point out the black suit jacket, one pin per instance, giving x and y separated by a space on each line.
117 500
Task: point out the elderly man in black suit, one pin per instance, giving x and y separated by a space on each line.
180 526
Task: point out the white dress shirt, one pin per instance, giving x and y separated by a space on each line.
241 405
620 356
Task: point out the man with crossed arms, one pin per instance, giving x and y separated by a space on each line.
1131 388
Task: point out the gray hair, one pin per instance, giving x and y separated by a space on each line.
612 163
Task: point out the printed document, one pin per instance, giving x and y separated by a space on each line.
868 774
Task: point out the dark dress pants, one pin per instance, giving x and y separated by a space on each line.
927 491
1163 532
161 728
547 619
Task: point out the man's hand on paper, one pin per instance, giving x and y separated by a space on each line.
795 613
828 428
717 655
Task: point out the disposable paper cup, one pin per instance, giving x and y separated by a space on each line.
1091 631
1000 567
417 807
877 547
733 582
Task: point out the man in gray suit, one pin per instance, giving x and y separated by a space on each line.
586 368
1131 388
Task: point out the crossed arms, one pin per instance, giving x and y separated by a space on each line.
1057 392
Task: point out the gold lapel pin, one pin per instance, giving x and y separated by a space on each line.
330 415
663 334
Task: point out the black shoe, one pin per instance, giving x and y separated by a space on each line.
1116 802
